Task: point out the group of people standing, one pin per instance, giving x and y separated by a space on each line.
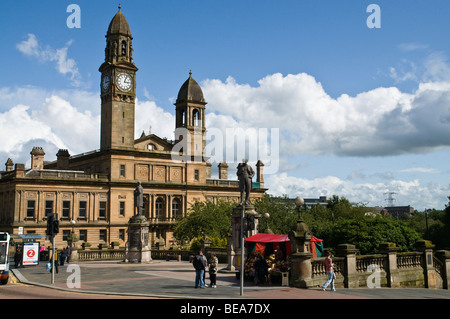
200 264
61 257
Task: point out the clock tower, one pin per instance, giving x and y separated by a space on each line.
118 87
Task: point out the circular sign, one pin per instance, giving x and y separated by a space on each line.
30 253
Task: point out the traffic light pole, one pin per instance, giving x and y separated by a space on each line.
242 252
53 259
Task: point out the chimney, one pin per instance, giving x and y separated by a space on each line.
62 161
37 158
260 173
223 170
9 165
208 169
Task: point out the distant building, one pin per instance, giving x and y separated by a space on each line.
400 212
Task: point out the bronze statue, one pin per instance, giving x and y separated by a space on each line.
245 174
139 198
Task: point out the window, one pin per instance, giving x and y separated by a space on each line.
196 175
175 208
121 234
65 234
83 235
66 209
82 209
159 208
102 210
48 207
122 209
124 48
122 170
31 208
196 117
102 236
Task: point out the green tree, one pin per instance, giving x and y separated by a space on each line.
205 219
282 214
368 232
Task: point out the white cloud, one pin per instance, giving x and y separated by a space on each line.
63 63
419 170
372 194
148 114
382 121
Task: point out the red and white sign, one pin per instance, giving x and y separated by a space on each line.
30 254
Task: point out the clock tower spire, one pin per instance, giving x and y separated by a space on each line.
118 87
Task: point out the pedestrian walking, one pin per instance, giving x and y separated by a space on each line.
62 257
56 262
199 264
328 262
18 258
212 267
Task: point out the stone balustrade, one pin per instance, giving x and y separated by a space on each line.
422 268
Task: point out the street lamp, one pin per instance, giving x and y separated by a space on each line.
299 202
426 222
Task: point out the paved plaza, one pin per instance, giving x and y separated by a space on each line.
172 279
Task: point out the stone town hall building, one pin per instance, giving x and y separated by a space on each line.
93 193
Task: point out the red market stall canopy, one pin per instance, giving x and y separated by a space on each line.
267 238
268 243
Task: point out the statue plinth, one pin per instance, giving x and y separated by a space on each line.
234 243
137 247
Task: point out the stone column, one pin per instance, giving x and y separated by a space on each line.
234 243
444 257
426 247
137 246
392 272
301 268
350 275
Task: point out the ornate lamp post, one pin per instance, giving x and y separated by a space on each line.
300 256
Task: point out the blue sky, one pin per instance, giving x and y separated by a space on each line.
361 111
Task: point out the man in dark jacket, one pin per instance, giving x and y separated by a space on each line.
199 264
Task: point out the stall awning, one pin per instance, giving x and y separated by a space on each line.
267 238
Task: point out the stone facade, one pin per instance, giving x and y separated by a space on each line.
92 193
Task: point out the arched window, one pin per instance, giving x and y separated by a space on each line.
196 117
159 204
176 212
124 48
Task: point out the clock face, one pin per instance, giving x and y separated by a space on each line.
124 81
105 82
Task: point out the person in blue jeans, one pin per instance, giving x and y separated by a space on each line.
328 262
199 263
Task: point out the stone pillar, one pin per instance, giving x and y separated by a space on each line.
223 170
426 247
62 161
234 243
137 246
37 158
444 257
350 276
392 272
300 256
9 165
